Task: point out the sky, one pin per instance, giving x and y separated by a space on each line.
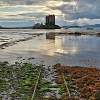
15 13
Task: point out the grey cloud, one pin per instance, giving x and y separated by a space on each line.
89 9
33 14
86 9
22 2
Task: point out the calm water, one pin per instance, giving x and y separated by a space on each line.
71 50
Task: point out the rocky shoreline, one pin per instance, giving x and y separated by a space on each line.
82 83
57 82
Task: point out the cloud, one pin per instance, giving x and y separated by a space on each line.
66 11
22 2
83 21
82 9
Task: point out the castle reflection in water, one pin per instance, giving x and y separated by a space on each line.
59 44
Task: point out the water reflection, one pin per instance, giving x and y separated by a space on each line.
76 50
65 47
72 50
71 44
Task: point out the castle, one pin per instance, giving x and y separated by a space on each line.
50 20
49 23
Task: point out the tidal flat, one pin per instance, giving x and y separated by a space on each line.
68 48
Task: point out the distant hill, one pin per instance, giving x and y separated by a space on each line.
30 27
71 27
85 26
1 27
34 27
92 26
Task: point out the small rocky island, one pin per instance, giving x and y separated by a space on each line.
50 23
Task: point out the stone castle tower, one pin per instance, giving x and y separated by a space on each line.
50 20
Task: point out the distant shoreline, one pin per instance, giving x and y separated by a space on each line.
15 27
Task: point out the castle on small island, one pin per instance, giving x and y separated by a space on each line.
49 23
